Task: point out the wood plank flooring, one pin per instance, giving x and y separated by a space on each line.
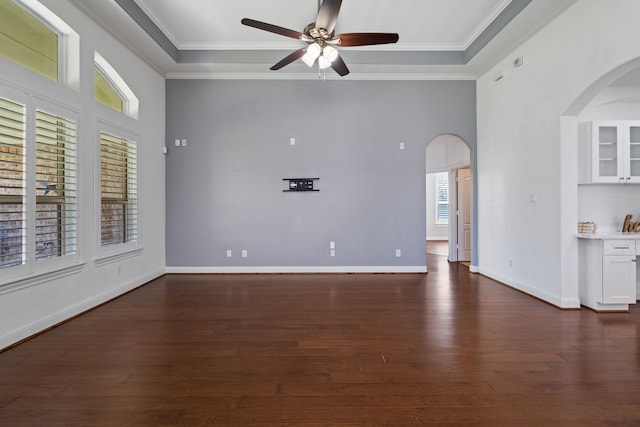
443 349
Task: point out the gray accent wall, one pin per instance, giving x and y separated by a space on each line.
224 189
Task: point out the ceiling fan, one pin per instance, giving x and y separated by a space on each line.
321 37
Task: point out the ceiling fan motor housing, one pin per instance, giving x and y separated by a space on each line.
317 33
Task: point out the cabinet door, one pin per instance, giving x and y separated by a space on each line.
608 148
632 151
618 279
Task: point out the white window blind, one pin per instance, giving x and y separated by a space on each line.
442 198
12 184
118 184
56 214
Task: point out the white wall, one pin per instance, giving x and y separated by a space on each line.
30 305
527 170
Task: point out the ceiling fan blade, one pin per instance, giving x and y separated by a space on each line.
328 14
289 59
366 39
339 66
272 28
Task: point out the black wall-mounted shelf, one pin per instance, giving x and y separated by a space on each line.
300 184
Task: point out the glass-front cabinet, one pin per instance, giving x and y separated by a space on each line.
633 130
610 152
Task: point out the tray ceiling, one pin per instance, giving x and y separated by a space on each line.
438 39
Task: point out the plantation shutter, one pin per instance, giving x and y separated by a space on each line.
118 183
12 184
56 208
442 195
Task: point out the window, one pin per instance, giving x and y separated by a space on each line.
105 94
118 161
118 184
442 197
45 229
55 186
111 90
27 41
12 183
35 38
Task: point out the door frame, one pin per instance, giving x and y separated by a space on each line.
453 211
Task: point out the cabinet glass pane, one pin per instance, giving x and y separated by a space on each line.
634 151
608 150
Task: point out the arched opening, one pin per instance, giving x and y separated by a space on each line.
613 97
448 198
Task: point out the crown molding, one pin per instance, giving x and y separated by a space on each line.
314 76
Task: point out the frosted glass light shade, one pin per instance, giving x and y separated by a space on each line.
313 52
329 54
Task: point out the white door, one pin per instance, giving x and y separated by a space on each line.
464 214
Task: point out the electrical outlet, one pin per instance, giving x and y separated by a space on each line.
229 253
244 253
119 270
333 252
332 245
398 253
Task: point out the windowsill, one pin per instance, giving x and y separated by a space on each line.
35 279
115 257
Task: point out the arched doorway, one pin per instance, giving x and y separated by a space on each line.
614 96
448 195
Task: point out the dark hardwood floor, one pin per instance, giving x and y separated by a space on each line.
443 349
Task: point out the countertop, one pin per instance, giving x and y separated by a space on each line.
609 236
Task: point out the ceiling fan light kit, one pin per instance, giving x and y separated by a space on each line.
321 38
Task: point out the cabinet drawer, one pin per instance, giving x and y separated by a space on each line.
619 247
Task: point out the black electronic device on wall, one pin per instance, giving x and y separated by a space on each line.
300 184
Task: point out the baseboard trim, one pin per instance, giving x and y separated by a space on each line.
284 270
542 295
41 325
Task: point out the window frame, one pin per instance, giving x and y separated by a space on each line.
68 60
130 102
105 252
32 267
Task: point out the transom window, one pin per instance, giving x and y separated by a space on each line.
111 90
35 38
27 41
105 94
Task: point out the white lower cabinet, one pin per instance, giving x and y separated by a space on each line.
618 279
607 273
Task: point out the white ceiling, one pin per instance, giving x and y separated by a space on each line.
423 25
209 32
